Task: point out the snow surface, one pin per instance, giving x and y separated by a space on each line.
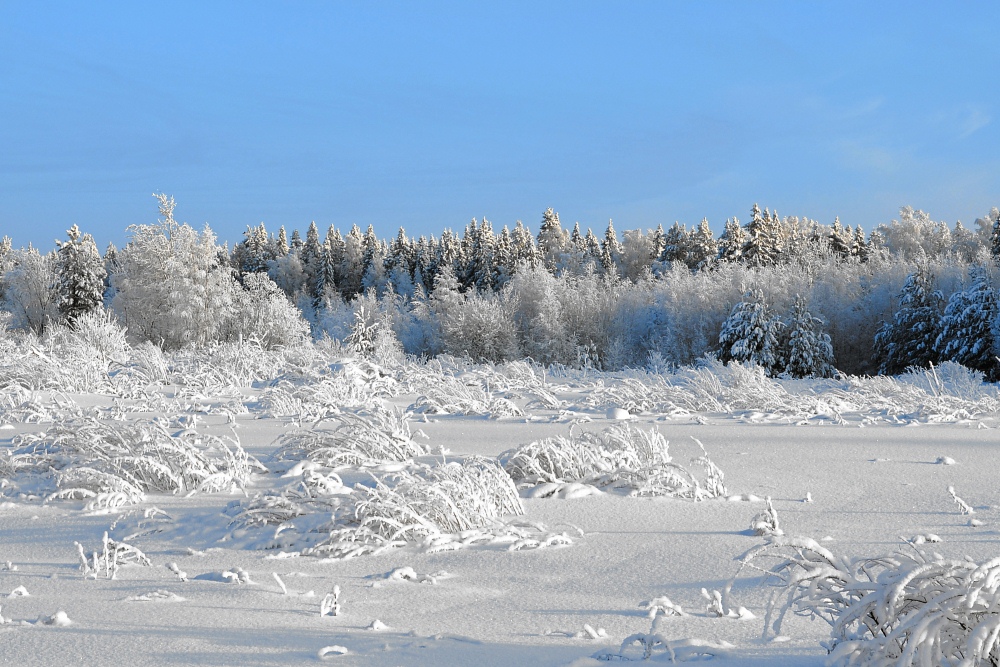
871 483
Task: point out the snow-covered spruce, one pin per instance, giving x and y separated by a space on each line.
621 457
905 609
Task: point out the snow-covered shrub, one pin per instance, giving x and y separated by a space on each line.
621 457
261 312
114 464
345 384
450 395
904 609
31 292
169 285
448 498
444 506
376 436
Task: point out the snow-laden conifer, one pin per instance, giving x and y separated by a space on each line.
909 339
750 333
806 348
81 275
966 335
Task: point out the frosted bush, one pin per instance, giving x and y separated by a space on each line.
366 439
451 395
114 464
905 609
621 457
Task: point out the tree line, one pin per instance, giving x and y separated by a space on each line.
796 296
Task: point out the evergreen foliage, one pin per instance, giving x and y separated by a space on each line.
81 275
806 350
750 333
966 335
909 340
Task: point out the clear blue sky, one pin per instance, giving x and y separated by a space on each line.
423 115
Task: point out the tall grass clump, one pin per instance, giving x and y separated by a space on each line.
621 457
908 609
115 464
369 438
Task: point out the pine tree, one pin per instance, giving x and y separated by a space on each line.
966 332
995 238
675 244
909 339
806 350
352 265
482 257
611 251
750 333
840 239
313 264
281 244
504 258
702 248
552 240
732 241
763 245
525 249
81 275
252 254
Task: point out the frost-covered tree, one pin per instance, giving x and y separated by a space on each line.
313 264
750 333
553 240
732 241
169 285
263 313
252 254
81 274
966 328
763 245
909 339
32 289
611 251
702 247
525 249
537 313
995 235
352 265
806 350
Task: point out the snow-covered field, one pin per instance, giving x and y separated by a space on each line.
208 508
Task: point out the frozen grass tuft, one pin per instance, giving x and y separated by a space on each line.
905 609
115 464
621 457
377 436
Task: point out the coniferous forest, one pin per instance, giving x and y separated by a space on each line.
797 297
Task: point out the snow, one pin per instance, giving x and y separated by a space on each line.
209 597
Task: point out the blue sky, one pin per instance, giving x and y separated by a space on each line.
423 115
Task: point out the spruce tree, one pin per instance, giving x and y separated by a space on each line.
732 241
806 350
966 331
763 245
552 240
611 251
909 339
750 333
81 275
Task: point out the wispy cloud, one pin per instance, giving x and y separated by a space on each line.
973 120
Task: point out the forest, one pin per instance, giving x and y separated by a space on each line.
792 295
